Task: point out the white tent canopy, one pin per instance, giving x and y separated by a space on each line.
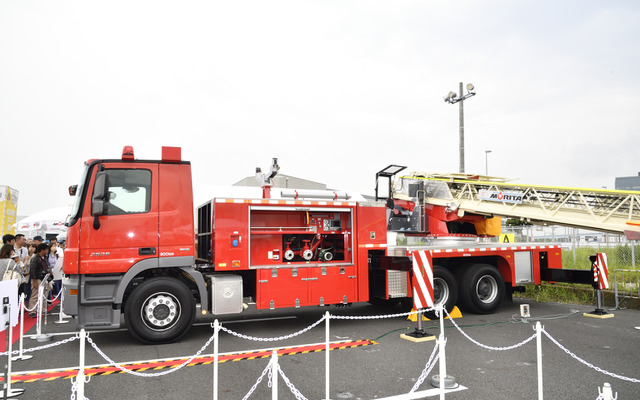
50 221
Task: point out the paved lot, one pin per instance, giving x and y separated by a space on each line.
387 368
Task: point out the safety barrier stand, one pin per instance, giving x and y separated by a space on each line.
448 382
600 282
40 335
606 393
21 356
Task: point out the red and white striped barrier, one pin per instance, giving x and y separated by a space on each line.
600 271
422 279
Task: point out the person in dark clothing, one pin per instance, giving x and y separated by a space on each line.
39 268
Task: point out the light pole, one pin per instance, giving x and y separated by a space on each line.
453 99
486 162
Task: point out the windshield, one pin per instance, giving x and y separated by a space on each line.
79 196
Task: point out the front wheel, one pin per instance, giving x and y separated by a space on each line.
481 289
160 310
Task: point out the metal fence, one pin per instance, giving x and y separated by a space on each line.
626 285
578 245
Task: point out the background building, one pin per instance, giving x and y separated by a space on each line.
628 182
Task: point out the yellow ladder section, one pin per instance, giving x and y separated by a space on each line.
614 211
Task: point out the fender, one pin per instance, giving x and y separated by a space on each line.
185 263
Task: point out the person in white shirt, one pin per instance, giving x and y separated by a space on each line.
21 250
20 247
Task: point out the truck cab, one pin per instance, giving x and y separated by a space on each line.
132 225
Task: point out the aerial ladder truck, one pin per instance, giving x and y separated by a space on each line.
133 249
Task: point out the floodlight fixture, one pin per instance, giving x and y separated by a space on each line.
453 98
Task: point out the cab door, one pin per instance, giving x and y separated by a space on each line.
127 229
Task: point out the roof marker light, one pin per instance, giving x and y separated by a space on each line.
127 153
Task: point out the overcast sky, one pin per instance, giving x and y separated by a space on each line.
336 90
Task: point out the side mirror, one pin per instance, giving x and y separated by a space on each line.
101 186
73 190
100 197
98 207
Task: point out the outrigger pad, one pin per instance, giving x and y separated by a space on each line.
417 337
599 315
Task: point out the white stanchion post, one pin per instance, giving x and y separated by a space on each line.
20 356
216 329
42 337
539 358
327 317
39 312
80 377
442 380
442 361
274 375
8 392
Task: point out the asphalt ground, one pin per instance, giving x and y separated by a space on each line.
389 366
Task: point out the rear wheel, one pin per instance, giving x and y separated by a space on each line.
160 310
481 289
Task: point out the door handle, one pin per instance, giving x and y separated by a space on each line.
146 251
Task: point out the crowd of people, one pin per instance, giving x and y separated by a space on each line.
37 263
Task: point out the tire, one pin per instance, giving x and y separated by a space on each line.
481 289
160 310
445 289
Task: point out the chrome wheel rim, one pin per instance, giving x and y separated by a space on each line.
160 311
487 289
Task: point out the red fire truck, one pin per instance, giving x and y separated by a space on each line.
131 251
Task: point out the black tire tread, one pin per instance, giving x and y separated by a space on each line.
132 310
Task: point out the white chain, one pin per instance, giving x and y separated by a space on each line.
55 298
405 314
490 347
267 369
261 339
427 368
624 378
294 391
31 309
149 375
44 347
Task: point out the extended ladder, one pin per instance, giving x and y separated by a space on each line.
616 211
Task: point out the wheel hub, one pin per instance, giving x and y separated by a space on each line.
160 311
487 289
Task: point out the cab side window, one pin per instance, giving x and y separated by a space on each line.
129 191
